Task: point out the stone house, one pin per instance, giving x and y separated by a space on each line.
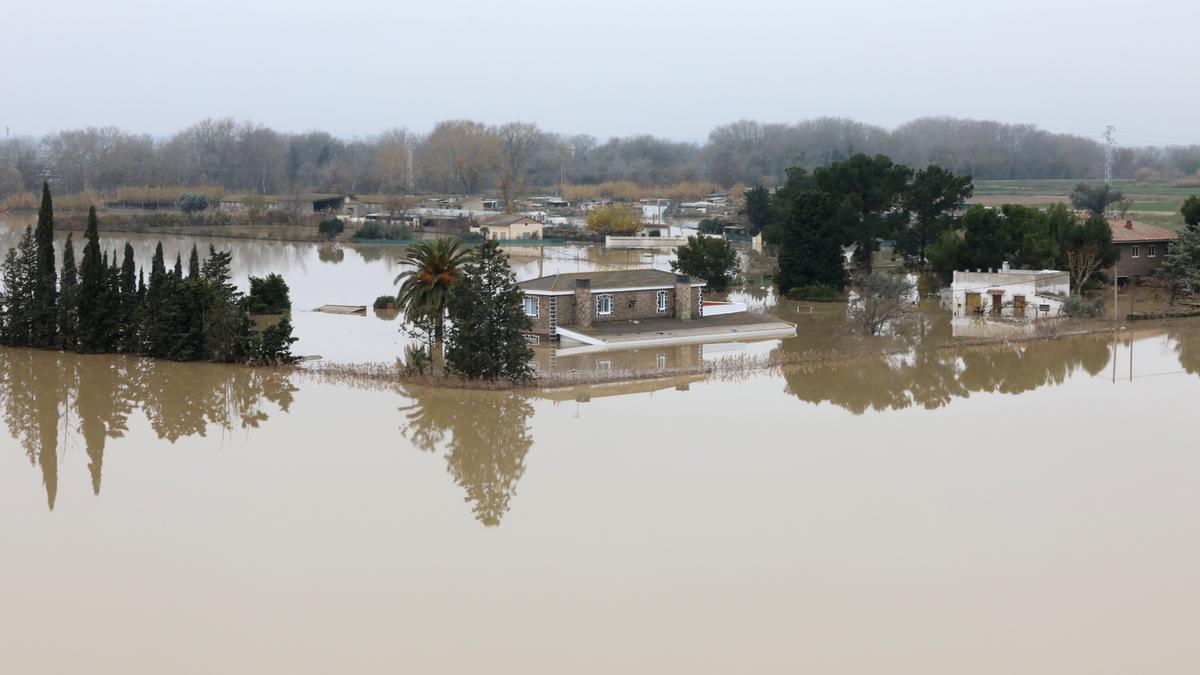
585 298
1142 247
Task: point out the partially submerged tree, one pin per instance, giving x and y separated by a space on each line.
434 268
708 258
486 339
881 299
613 220
810 253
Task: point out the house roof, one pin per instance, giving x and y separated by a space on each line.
508 219
603 281
1131 231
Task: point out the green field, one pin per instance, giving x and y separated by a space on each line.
1153 204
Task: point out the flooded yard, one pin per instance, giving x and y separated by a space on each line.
916 507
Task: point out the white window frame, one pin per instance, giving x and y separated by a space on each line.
1135 251
527 305
660 301
1151 251
600 301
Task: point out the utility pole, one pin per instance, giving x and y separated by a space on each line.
1109 151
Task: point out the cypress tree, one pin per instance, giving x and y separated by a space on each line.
45 316
91 285
178 266
110 302
68 306
194 264
19 267
128 302
156 325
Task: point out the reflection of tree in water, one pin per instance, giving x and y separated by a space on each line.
931 378
1187 346
41 392
485 435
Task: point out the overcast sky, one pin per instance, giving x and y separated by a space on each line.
675 69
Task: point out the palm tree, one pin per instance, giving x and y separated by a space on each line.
425 288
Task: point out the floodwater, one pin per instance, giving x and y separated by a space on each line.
989 509
337 274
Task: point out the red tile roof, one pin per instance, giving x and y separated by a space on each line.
1131 231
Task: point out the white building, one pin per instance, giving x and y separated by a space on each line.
1016 294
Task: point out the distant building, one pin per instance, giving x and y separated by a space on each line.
590 297
1017 294
509 227
1142 248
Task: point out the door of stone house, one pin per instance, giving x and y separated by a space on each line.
1019 306
973 303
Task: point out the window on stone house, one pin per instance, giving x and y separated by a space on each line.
1135 251
661 301
1151 251
531 307
604 305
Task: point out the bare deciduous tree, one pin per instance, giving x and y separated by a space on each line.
515 141
881 299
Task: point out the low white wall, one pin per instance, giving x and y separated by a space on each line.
644 242
723 308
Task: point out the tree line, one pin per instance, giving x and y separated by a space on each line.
861 200
469 156
103 305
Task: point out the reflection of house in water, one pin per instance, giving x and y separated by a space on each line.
1009 293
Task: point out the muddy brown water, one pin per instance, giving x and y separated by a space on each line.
991 509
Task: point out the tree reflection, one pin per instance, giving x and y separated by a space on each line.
932 377
485 435
42 392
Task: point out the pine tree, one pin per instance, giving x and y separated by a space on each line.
91 286
194 264
68 305
45 318
487 321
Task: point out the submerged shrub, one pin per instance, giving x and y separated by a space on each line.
1082 308
816 293
383 301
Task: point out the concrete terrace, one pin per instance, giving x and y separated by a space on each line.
610 335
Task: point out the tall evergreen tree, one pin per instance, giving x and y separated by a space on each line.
194 264
45 318
128 303
19 279
178 266
810 252
68 305
91 286
486 320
